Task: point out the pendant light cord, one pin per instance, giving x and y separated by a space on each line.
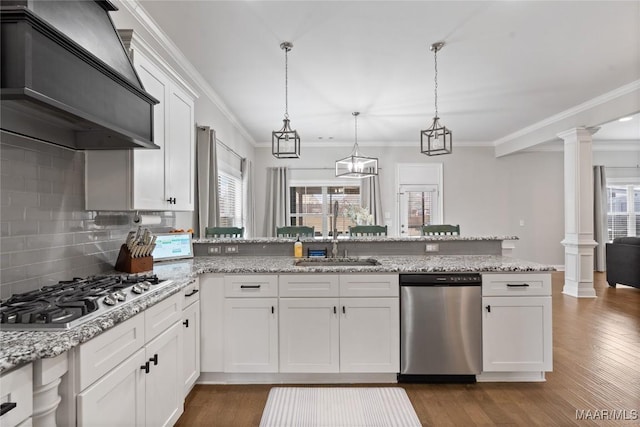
435 58
286 83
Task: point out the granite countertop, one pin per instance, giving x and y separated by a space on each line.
353 239
388 264
18 347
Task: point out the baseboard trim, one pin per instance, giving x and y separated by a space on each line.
287 378
512 377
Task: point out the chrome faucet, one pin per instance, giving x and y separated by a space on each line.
334 247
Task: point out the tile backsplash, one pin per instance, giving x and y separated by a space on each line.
46 235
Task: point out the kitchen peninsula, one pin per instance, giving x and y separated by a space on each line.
251 308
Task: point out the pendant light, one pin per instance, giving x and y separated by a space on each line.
436 140
285 143
355 165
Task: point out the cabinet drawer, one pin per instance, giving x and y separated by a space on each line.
162 315
104 352
369 285
516 284
309 285
16 387
251 286
191 293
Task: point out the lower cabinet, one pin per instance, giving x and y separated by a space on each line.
251 335
146 389
191 336
339 335
516 334
16 396
133 373
517 323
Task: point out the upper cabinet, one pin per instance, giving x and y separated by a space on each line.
148 179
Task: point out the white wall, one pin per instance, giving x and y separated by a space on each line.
485 195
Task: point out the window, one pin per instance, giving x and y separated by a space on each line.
230 199
623 210
312 206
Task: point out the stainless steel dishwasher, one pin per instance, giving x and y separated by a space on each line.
440 327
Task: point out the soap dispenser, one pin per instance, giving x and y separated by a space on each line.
297 248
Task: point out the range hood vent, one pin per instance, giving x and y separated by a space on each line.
66 78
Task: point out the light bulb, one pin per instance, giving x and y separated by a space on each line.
437 143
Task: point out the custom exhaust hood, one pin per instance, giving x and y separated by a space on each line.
66 78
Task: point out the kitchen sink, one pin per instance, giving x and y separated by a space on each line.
336 262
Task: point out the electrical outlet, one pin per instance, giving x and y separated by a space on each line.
231 249
214 250
432 247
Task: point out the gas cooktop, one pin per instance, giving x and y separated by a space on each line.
74 302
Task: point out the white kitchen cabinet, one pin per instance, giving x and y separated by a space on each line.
118 398
251 335
191 336
149 179
16 396
133 373
369 335
345 334
211 322
164 383
309 335
517 323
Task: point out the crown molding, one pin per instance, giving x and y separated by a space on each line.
142 17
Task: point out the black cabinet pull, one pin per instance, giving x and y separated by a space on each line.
519 285
335 310
145 367
488 308
249 286
344 310
273 309
6 407
193 292
171 200
154 359
186 323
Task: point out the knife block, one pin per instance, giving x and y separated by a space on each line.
127 264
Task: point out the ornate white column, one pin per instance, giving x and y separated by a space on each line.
578 213
46 379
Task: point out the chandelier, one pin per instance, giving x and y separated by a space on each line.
355 165
285 143
436 139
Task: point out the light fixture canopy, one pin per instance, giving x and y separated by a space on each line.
285 143
356 165
436 140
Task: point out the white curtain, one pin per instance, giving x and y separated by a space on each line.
247 198
370 198
600 216
276 200
206 211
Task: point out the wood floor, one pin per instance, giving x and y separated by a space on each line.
596 368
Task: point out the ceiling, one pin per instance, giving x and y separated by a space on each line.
506 65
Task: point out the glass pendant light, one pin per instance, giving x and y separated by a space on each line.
356 165
285 143
436 139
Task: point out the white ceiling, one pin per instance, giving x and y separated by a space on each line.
506 65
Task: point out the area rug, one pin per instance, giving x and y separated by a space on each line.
338 407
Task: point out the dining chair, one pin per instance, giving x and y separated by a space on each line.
224 232
440 230
295 231
368 230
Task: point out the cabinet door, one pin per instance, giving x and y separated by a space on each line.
149 165
191 345
118 398
369 335
251 335
516 334
180 146
309 335
211 322
164 382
